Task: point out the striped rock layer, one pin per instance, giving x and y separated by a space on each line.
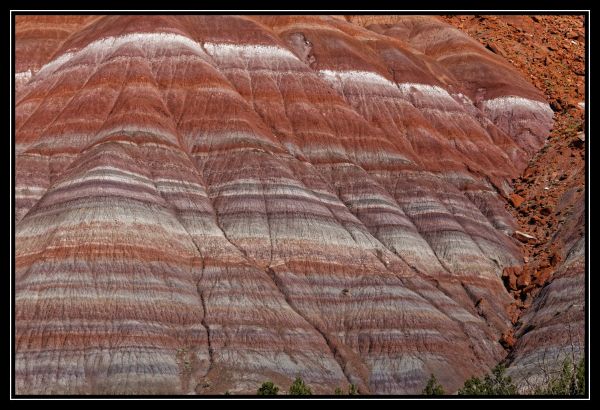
207 202
552 330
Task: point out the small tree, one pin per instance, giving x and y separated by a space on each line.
494 384
570 381
268 389
352 391
298 388
472 387
499 384
433 387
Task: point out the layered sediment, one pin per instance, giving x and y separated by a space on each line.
207 202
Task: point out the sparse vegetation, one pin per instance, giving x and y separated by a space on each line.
493 384
572 126
433 387
299 388
569 382
352 391
268 389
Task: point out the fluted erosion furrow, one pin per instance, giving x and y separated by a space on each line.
412 108
363 89
438 224
269 337
67 121
207 202
229 61
89 324
515 107
422 105
342 123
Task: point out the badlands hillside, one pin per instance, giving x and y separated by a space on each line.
204 203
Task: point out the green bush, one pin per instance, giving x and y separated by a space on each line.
433 388
352 391
268 389
298 388
473 387
494 384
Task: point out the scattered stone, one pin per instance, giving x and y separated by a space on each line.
507 340
524 280
555 105
495 48
516 200
578 141
541 277
524 237
529 172
510 275
514 312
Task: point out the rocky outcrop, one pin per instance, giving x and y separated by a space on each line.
207 202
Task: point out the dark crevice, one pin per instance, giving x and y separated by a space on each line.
199 291
337 355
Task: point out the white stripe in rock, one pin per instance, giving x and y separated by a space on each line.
355 76
510 102
247 50
432 91
23 76
369 77
141 40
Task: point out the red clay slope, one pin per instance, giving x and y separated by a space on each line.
207 202
551 51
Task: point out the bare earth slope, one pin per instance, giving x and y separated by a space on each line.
551 51
207 202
